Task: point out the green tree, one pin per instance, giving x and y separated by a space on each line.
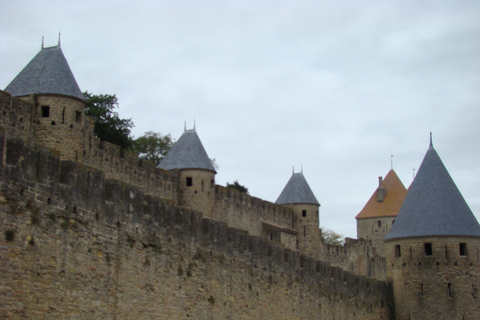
331 237
152 146
108 125
237 186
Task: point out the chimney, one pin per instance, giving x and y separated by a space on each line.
380 191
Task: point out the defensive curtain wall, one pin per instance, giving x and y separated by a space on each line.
78 245
253 215
98 239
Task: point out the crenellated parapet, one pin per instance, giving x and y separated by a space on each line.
257 217
86 240
357 256
21 119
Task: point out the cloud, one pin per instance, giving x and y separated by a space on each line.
335 87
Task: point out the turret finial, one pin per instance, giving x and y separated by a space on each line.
391 162
185 126
59 42
431 140
43 42
194 125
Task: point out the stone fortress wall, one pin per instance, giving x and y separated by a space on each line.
441 269
91 231
375 229
255 216
80 245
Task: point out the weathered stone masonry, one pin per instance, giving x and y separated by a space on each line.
88 247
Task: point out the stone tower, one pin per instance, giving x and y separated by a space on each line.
298 196
197 174
377 217
59 107
433 249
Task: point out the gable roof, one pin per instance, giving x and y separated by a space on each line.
297 191
434 206
395 193
187 153
47 73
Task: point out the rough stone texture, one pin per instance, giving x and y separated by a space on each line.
86 247
375 229
62 129
247 213
357 256
307 222
443 285
200 194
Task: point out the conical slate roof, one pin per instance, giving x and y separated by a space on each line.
187 153
395 193
47 73
434 206
297 191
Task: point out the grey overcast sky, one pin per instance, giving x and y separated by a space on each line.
334 86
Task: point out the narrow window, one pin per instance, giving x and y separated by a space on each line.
393 222
449 285
304 213
428 248
202 185
45 111
271 236
78 116
421 289
463 249
189 181
379 223
398 251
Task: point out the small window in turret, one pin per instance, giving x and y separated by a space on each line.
304 213
189 181
463 249
45 111
428 248
78 116
398 251
379 223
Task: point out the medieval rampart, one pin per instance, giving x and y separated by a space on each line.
78 245
356 256
16 117
246 212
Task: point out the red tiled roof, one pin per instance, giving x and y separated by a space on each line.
390 206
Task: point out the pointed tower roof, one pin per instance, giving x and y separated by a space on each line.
297 191
187 153
389 204
434 206
47 73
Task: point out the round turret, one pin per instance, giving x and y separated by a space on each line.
298 196
58 104
433 249
196 173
